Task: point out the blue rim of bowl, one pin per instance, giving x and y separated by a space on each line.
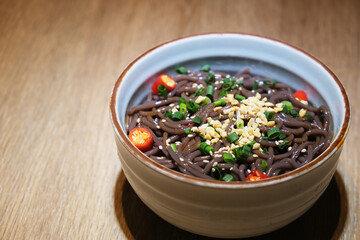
335 144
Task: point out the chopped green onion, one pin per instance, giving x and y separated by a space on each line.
168 114
206 101
269 115
188 131
228 178
265 138
282 136
263 165
210 91
283 144
285 109
205 68
227 84
181 100
162 90
251 144
239 97
177 116
240 82
206 149
223 93
210 78
215 173
181 70
173 146
308 116
239 123
228 158
220 102
199 91
202 139
288 105
192 106
273 133
183 108
293 113
314 105
197 120
242 153
255 85
232 137
265 150
269 83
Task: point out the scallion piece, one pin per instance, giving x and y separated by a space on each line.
228 157
162 90
232 137
265 150
223 93
168 114
205 68
210 78
242 153
251 144
181 70
283 144
181 100
206 101
282 136
183 108
210 91
255 85
263 165
293 113
239 123
193 106
177 116
269 115
265 138
314 105
199 92
215 173
273 133
239 97
220 102
228 178
288 105
173 146
227 84
206 148
308 116
197 120
188 131
269 83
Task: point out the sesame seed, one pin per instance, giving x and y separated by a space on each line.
181 159
303 150
213 170
163 120
138 120
289 148
206 161
160 147
255 155
231 168
157 126
215 163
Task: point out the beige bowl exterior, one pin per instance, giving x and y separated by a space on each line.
226 210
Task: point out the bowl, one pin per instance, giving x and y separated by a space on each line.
236 209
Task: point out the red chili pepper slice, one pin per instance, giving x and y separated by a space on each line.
256 175
301 95
164 79
141 138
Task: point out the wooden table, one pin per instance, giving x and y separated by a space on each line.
60 177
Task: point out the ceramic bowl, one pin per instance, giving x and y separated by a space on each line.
235 209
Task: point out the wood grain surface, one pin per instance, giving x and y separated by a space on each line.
60 177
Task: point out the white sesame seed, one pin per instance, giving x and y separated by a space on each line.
138 120
213 170
157 126
276 142
255 155
190 135
160 147
215 163
223 169
281 141
181 159
206 161
163 120
303 150
289 148
231 168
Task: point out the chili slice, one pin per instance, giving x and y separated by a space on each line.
165 80
301 95
256 175
141 138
